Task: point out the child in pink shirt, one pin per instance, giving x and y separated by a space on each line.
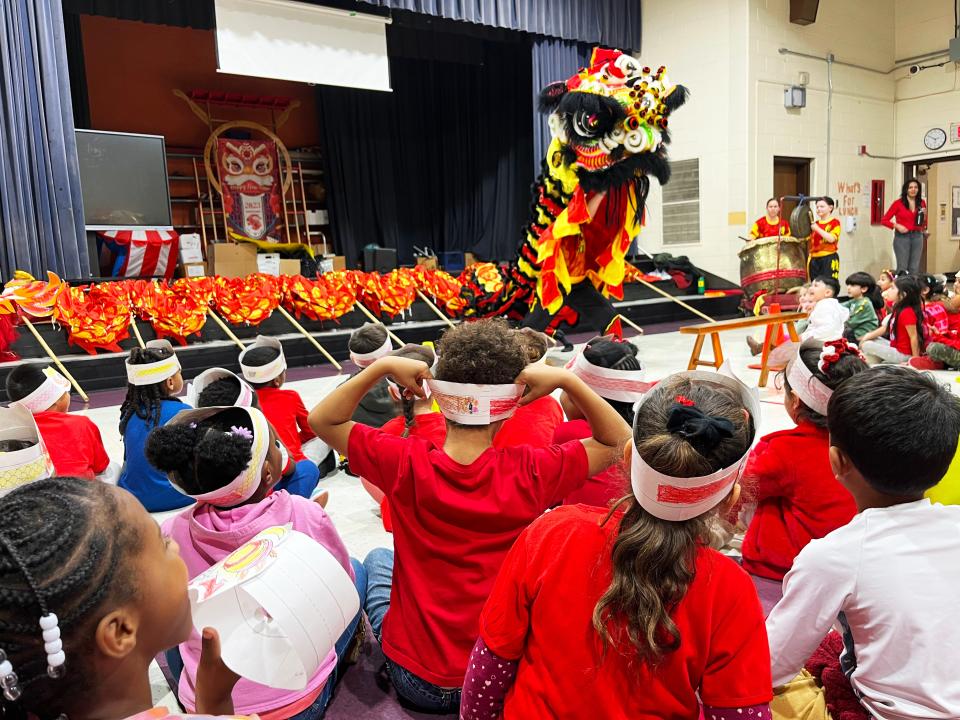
228 459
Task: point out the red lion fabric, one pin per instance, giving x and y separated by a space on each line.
250 184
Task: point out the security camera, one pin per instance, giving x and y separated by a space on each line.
914 69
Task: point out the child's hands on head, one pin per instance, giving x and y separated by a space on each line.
541 380
408 374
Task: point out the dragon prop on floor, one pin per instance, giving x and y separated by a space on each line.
609 128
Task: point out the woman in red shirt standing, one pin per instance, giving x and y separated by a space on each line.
907 216
627 613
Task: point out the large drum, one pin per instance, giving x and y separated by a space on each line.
772 261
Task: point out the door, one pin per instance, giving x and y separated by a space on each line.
791 176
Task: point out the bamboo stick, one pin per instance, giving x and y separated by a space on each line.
678 301
56 361
226 330
203 224
631 323
303 198
303 331
136 332
377 321
437 310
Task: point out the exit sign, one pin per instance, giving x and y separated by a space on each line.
954 132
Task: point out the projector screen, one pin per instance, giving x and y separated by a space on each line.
123 178
305 43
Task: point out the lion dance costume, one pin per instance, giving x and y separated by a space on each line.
609 128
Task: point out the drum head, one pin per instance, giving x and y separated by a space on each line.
801 220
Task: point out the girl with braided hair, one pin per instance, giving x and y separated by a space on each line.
90 592
153 382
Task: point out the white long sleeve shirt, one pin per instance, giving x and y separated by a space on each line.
894 574
826 321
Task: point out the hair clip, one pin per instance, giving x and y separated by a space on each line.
193 426
53 646
242 432
834 350
8 679
685 401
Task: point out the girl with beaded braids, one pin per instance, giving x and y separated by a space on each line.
112 592
153 382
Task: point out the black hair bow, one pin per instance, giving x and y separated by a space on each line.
702 431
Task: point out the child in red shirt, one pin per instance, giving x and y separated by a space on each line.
73 441
265 368
788 474
458 509
533 424
904 327
611 369
627 613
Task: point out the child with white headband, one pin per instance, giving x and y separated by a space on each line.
367 344
23 454
459 508
627 613
788 474
73 441
228 459
153 382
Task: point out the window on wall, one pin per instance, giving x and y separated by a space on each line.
681 204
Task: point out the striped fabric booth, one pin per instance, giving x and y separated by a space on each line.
142 253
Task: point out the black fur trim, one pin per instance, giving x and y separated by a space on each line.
677 98
551 95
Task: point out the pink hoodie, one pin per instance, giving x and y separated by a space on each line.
206 535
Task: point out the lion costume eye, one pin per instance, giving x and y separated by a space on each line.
233 165
591 124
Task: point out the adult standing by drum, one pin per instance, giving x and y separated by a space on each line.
770 225
907 216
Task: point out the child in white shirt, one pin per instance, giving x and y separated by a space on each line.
889 580
828 316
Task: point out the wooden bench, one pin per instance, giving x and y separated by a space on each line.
772 321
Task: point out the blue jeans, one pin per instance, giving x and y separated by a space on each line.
319 706
411 689
302 481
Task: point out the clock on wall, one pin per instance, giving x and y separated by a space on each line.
935 138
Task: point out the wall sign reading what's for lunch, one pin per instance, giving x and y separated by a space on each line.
935 138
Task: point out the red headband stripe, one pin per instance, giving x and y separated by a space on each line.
689 495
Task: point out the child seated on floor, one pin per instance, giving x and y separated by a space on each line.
889 579
788 474
610 368
110 592
626 613
863 305
73 441
828 315
229 461
153 382
369 343
264 366
23 456
457 510
903 328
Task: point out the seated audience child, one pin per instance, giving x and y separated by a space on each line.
265 368
863 305
805 304
944 348
828 316
626 613
153 381
23 456
905 335
788 474
888 580
110 593
369 343
73 441
610 368
458 509
228 460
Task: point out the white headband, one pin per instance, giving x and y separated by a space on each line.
470 404
244 485
52 388
22 467
610 383
811 391
264 373
362 360
677 499
426 388
208 377
155 372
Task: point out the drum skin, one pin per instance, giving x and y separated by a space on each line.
758 265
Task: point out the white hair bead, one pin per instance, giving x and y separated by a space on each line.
53 647
5 668
51 634
49 622
56 659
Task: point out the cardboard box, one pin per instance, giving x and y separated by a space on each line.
339 262
430 263
192 270
470 259
232 260
191 251
289 267
269 263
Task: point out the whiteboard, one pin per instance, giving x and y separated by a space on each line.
294 41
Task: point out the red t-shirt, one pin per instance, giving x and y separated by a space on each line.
798 498
762 228
286 412
819 246
453 526
531 424
74 444
612 484
899 339
541 612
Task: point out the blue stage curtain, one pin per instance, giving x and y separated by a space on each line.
615 23
41 209
553 59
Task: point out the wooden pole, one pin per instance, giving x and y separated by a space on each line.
56 361
437 310
136 331
303 198
678 301
631 323
227 331
375 321
203 224
303 331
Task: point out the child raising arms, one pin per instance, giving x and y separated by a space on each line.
626 613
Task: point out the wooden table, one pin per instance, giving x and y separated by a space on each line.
773 321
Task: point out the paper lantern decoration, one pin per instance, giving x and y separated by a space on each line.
279 602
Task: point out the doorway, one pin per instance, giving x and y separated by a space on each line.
791 176
940 186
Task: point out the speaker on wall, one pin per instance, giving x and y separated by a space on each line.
804 12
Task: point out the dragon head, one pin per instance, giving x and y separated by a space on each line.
609 121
